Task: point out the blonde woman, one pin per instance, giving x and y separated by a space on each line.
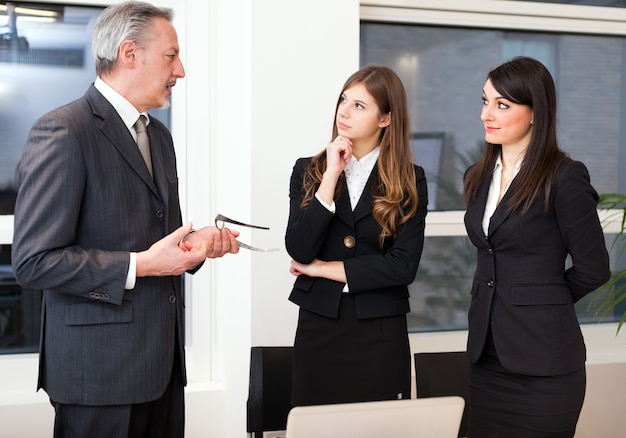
355 234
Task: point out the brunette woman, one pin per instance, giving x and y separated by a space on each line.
529 208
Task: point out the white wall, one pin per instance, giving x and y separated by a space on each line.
265 76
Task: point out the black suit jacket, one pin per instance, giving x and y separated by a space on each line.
85 201
378 279
522 287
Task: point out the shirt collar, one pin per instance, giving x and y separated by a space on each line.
124 108
366 163
516 168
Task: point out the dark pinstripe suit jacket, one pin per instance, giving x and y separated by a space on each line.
522 286
378 279
85 200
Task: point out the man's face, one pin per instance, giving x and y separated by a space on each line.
159 66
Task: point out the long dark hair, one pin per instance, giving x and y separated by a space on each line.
396 198
524 81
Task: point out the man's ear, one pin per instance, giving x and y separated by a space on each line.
385 121
127 53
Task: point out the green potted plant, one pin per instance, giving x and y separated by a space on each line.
611 297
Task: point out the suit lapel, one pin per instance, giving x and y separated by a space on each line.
344 209
476 210
502 212
364 206
114 129
158 166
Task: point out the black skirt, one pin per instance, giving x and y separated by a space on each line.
350 360
505 404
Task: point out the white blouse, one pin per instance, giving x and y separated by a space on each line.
494 191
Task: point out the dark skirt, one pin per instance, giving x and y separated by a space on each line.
350 360
505 404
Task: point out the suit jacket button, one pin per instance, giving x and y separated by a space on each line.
490 283
349 241
172 299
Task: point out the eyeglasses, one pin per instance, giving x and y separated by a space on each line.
220 220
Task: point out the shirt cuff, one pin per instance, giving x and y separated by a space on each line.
330 207
131 277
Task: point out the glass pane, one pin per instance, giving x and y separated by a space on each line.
444 70
45 61
20 311
440 295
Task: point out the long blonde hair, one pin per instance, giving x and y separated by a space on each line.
395 197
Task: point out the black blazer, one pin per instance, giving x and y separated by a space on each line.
522 286
378 279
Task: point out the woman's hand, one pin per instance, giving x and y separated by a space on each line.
318 268
338 154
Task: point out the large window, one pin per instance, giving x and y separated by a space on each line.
45 61
444 69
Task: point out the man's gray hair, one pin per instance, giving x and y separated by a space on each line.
130 20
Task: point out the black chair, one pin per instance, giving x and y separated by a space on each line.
269 396
443 374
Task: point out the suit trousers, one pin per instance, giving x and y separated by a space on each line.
161 418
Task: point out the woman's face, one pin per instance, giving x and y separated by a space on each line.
358 116
506 123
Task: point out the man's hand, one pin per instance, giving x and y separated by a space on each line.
215 241
166 257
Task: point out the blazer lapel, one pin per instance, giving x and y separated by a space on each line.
476 209
364 206
114 129
502 212
344 209
158 166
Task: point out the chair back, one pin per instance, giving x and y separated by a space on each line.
437 417
269 394
443 374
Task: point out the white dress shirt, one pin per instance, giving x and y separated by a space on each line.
129 115
494 191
